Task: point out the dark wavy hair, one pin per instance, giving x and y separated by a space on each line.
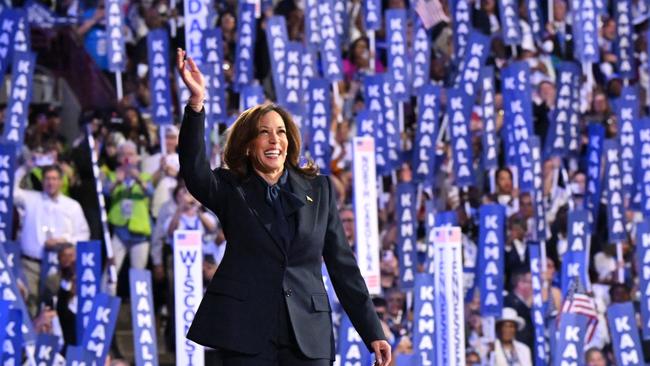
245 130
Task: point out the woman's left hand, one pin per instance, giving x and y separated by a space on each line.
382 352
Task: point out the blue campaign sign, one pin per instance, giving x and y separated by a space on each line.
538 190
98 334
143 318
4 320
569 346
329 47
12 252
293 92
643 263
627 113
423 322
625 334
407 233
575 144
586 32
576 259
277 41
78 356
491 275
391 124
320 116
161 96
624 44
341 20
518 118
642 165
596 134
312 23
251 96
459 106
470 68
557 139
350 346
535 19
7 169
541 346
398 62
89 274
368 125
489 139
9 293
47 346
245 47
10 22
213 64
49 266
424 151
115 39
421 58
372 87
511 31
12 346
17 110
461 15
308 70
614 185
372 14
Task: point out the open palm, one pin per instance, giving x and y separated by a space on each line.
191 76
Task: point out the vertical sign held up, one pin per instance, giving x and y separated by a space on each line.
188 289
365 211
158 51
17 110
143 318
196 21
449 297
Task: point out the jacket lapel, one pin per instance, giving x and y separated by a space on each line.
302 190
255 197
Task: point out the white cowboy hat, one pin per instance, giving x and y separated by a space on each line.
510 315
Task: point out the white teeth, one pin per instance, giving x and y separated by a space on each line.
272 153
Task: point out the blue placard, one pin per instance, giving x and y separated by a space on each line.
293 92
575 143
614 186
368 125
424 150
625 334
421 58
78 356
341 20
330 45
586 32
12 252
245 47
351 347
320 116
98 334
161 96
575 262
22 37
143 317
424 337
373 86
643 263
518 116
116 51
538 190
213 64
461 15
9 293
535 20
372 14
407 233
12 346
489 157
277 40
4 320
89 273
642 165
594 157
624 43
396 49
510 28
459 107
47 346
49 266
558 138
491 276
391 123
627 113
308 69
569 346
17 110
10 20
470 68
541 346
7 169
251 95
312 23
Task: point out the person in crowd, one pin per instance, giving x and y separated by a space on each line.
505 194
517 258
49 220
347 220
264 200
163 169
595 357
508 351
520 298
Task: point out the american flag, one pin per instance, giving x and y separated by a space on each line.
365 144
578 302
187 237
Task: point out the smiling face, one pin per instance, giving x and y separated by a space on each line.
268 150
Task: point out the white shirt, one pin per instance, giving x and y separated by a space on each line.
520 357
45 217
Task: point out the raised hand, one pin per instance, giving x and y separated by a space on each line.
191 76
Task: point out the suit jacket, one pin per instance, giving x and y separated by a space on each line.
259 273
522 351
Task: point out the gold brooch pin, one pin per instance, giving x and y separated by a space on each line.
309 199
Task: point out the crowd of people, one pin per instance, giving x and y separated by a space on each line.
146 201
